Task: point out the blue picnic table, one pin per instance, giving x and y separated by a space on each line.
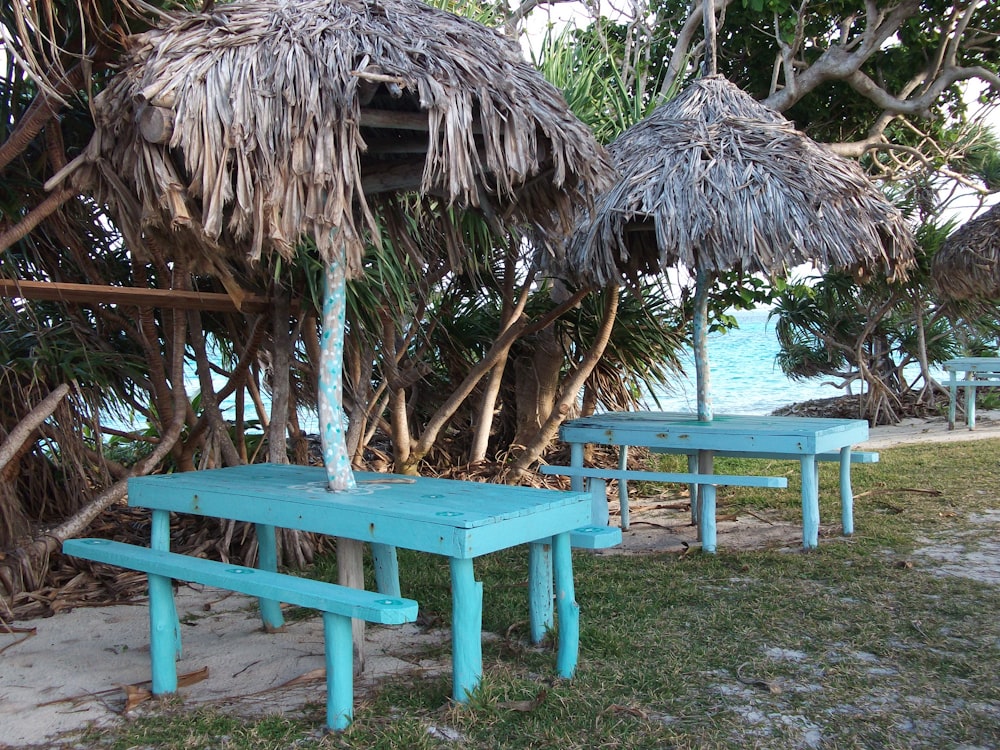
980 372
804 438
456 519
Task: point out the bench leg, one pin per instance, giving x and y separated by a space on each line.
706 521
267 559
163 644
159 538
970 406
386 569
846 492
339 656
810 502
540 592
466 629
568 609
622 488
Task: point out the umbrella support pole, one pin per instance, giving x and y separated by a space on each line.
350 570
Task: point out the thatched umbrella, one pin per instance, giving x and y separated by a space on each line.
242 131
967 267
713 180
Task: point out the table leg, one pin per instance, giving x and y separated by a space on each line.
350 572
576 461
706 521
622 487
706 465
568 609
846 492
466 629
693 488
970 406
598 490
810 502
163 643
386 569
267 559
159 538
952 398
540 592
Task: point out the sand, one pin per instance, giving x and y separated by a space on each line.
76 669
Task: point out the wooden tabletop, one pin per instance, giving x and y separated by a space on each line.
442 516
731 432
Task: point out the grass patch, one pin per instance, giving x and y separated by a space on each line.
860 644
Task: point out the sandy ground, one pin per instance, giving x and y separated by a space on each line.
79 668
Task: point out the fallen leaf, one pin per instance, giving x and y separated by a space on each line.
135 695
630 710
525 706
192 678
313 675
29 632
771 687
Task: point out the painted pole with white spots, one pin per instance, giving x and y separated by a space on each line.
331 385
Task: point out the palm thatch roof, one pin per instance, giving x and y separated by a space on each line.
248 128
714 180
968 264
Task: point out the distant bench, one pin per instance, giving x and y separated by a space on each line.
846 490
597 476
980 372
338 604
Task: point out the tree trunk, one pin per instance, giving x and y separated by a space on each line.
510 312
217 427
15 523
277 450
537 384
571 388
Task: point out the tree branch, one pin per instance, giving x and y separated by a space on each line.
11 447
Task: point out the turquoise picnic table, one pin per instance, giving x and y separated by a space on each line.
807 439
980 372
456 519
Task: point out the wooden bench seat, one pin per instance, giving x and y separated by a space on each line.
338 604
846 490
857 457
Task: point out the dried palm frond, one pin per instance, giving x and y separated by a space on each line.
713 180
968 264
263 122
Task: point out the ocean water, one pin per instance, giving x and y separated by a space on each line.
743 375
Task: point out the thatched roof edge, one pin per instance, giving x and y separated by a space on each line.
715 180
261 108
968 264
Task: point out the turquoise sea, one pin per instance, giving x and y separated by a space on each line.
744 378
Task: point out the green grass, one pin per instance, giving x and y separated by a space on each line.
856 645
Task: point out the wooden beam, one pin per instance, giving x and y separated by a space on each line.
95 294
397 119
